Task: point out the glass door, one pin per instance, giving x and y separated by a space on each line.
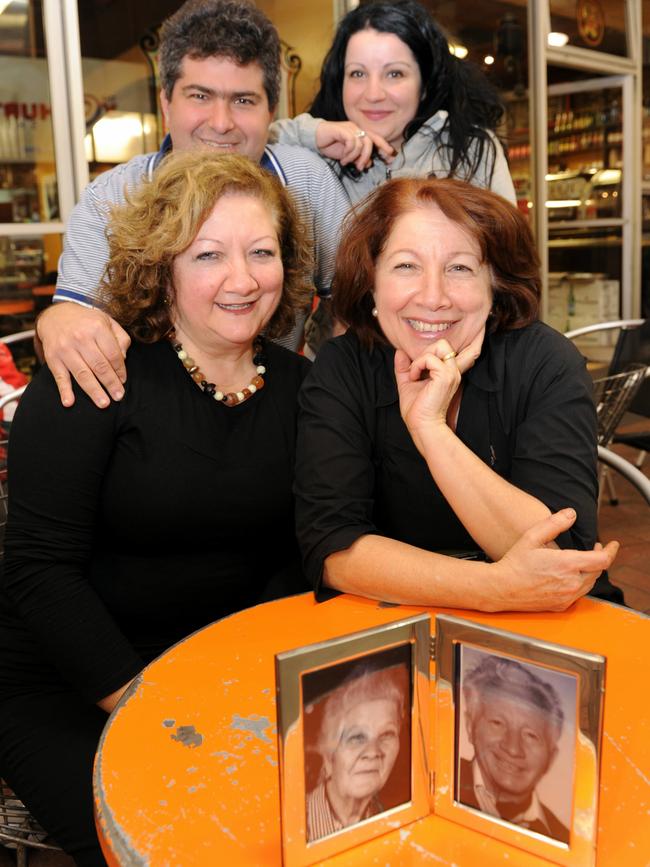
584 201
31 197
585 140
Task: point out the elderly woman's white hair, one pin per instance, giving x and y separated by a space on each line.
362 684
496 675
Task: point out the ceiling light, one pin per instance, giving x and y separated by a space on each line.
558 40
563 203
488 60
608 176
117 136
458 51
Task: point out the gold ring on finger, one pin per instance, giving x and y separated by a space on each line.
449 355
360 133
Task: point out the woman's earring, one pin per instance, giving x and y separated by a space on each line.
374 312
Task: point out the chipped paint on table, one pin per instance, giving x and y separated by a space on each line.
187 769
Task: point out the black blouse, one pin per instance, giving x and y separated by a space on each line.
527 411
132 526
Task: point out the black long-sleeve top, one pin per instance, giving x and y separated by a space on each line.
527 411
132 526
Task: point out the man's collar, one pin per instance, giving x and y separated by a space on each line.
165 148
270 162
486 800
488 803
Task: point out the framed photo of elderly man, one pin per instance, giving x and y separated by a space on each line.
519 724
353 738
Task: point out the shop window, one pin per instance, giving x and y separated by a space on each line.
28 191
599 25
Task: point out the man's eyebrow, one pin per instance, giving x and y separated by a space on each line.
224 94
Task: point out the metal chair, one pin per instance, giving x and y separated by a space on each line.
632 347
18 829
627 470
613 396
6 400
18 335
603 326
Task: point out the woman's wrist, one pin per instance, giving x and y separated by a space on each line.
432 436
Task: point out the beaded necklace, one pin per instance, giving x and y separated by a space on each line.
230 398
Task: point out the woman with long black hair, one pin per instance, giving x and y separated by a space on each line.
394 102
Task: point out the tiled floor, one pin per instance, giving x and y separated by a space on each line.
628 522
36 858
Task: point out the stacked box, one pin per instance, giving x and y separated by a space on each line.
592 301
558 301
579 299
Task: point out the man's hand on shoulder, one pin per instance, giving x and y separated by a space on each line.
87 343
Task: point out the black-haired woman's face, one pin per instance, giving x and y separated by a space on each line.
381 84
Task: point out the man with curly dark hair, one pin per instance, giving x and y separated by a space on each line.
220 74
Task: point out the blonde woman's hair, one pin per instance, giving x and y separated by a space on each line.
161 219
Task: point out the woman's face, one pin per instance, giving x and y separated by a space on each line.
367 749
430 283
228 282
381 84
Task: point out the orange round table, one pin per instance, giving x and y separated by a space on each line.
187 769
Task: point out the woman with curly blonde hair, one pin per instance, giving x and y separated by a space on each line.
133 527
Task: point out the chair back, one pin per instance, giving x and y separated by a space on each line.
629 472
12 398
633 347
18 336
18 828
614 395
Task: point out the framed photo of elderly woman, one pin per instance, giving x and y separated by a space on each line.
353 738
517 751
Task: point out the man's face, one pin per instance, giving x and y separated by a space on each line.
513 745
219 104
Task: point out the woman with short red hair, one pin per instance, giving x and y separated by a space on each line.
448 425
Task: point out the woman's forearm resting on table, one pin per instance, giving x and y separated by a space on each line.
531 577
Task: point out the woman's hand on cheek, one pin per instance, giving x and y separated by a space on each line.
426 387
468 356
